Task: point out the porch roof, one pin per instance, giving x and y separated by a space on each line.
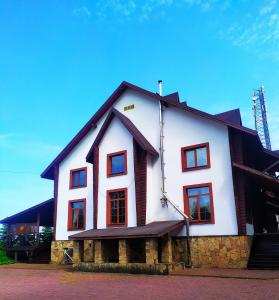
264 178
45 209
154 229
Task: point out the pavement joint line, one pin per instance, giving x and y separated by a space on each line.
224 276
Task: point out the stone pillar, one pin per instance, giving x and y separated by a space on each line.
167 250
151 248
99 257
76 252
88 251
123 252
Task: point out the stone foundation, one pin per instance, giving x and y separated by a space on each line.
208 252
57 251
217 251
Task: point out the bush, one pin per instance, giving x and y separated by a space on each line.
4 259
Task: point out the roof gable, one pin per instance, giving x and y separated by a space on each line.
232 116
169 100
129 125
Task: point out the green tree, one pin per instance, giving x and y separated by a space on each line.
47 234
3 235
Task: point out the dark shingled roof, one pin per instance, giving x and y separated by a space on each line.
232 116
137 135
154 229
46 210
169 100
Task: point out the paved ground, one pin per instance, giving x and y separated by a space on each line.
35 283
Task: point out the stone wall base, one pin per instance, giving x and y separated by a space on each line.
57 251
217 251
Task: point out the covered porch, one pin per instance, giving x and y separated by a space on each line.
24 240
152 246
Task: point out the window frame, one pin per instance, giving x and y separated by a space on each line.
194 147
72 171
70 220
109 224
187 207
109 162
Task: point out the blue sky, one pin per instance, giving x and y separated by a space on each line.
60 60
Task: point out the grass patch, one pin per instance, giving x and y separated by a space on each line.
4 259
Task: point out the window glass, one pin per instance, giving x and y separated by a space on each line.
198 191
78 178
190 158
205 208
193 205
201 157
117 164
77 215
117 207
75 178
82 178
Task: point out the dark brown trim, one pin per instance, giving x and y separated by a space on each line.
109 156
140 173
136 134
186 202
71 186
48 173
194 147
56 181
108 207
95 186
237 155
70 221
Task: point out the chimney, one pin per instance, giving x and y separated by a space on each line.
160 87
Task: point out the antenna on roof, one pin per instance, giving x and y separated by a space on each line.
259 108
160 87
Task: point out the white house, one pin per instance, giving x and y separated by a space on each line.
146 165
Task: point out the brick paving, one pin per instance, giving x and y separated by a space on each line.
36 282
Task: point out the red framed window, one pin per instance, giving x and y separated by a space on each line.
198 203
195 157
77 214
78 178
117 207
117 163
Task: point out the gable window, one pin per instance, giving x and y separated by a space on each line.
76 214
195 157
117 207
117 163
78 178
198 203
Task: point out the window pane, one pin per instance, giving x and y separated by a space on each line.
117 164
77 204
74 218
198 191
122 211
82 178
205 208
201 157
75 178
193 204
80 218
114 211
190 158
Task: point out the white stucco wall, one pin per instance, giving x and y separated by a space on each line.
181 129
117 138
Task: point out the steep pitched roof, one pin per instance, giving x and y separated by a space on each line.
169 100
137 135
232 116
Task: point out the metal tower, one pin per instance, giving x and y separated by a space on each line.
261 125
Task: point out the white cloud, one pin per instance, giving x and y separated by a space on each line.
259 32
